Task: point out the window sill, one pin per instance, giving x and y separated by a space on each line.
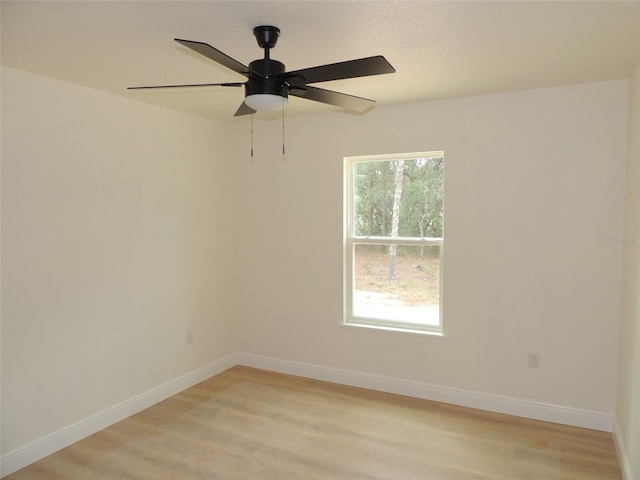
430 333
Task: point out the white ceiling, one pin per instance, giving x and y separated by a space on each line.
440 49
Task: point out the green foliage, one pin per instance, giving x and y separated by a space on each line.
421 207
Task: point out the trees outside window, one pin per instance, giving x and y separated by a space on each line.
394 240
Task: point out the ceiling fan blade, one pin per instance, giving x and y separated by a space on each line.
362 67
244 110
215 55
338 99
226 84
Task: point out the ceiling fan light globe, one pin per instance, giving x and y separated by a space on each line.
265 102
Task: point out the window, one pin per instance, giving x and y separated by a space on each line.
394 220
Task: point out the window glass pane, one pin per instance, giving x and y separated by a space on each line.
401 286
398 197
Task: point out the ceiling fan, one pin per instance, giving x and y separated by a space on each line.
268 84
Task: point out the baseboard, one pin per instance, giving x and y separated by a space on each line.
493 403
32 452
623 457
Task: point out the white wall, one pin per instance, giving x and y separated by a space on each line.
124 226
534 185
628 407
116 240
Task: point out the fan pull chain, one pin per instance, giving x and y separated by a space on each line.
252 135
283 155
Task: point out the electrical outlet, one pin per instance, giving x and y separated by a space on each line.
534 360
189 337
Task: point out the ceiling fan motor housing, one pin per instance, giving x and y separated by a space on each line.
265 81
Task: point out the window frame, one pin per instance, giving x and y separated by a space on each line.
351 240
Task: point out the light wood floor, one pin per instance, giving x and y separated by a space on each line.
251 424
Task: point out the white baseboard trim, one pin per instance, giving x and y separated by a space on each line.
493 403
32 452
623 457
